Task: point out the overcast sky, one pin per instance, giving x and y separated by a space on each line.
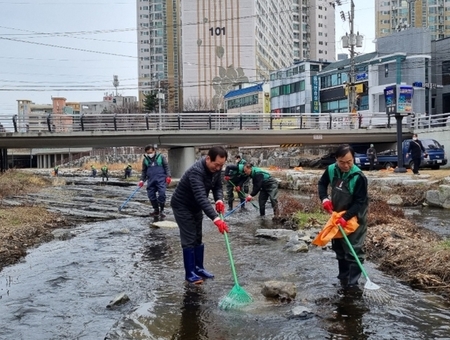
72 48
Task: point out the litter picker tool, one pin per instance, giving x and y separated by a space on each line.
243 194
237 297
372 291
129 198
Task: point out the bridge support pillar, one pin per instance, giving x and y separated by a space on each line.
180 159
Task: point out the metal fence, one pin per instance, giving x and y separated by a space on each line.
38 122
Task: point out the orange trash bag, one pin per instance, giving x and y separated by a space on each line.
331 229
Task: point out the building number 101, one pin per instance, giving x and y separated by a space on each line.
217 31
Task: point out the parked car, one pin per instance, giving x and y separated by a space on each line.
388 159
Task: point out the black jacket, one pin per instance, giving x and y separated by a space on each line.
416 148
194 187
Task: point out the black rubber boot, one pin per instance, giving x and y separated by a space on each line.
230 205
155 206
344 270
354 275
262 211
189 266
161 210
199 256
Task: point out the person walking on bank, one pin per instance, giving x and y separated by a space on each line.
93 171
105 173
348 193
415 149
189 202
56 169
128 169
265 185
236 180
371 154
156 171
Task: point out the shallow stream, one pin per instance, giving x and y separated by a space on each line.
62 288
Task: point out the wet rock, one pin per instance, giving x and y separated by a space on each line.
62 234
118 300
164 224
395 200
439 198
275 234
283 291
300 312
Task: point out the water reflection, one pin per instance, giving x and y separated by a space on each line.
191 323
347 319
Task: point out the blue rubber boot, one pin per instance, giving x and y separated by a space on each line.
189 266
199 269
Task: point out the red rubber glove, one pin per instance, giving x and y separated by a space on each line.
237 188
221 225
248 198
227 178
168 180
220 207
327 205
342 222
141 184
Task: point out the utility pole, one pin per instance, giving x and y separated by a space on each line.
351 41
159 104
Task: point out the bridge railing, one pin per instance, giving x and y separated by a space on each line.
423 121
38 122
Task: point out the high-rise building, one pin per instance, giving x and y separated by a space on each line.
314 30
194 52
397 15
159 32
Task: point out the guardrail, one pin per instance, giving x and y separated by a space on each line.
38 122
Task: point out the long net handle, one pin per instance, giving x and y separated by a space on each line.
230 256
242 193
233 210
353 252
129 198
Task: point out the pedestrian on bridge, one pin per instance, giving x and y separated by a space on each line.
156 171
190 200
348 193
371 154
415 150
265 185
105 173
236 180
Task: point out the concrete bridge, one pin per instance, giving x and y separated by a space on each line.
181 133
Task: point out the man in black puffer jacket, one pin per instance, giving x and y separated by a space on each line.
190 200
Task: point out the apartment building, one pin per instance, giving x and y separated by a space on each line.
200 50
159 57
314 30
397 15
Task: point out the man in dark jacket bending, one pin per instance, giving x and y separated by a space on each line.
265 185
190 200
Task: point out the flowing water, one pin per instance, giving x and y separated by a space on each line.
62 288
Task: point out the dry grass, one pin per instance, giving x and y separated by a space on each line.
13 182
137 166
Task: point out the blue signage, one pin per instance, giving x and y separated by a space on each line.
361 76
315 95
390 99
405 100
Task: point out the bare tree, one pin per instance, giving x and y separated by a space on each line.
195 104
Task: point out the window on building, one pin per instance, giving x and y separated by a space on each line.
446 72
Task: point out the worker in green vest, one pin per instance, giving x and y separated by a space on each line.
265 185
348 193
105 173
